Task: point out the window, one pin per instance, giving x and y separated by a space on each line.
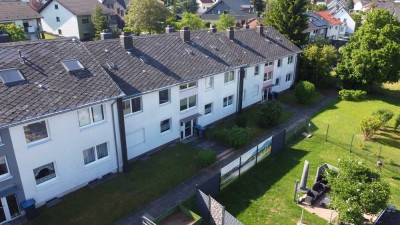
165 125
58 19
277 81
209 82
336 27
72 65
3 166
269 64
290 59
330 27
344 20
122 12
288 77
9 76
163 96
314 31
228 101
279 62
59 31
90 115
132 105
95 153
208 109
187 103
188 85
86 20
44 173
255 90
256 70
267 76
229 76
118 11
35 131
56 6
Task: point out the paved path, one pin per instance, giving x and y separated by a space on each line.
188 188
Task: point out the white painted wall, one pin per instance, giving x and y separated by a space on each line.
333 32
68 21
252 86
65 148
203 6
281 72
343 16
358 6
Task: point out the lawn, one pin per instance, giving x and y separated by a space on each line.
264 195
290 98
114 199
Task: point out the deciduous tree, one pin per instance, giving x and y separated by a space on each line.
16 33
225 21
192 21
372 55
98 20
289 18
259 6
190 6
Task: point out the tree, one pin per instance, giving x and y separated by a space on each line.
98 20
16 33
369 125
397 122
349 4
192 21
357 190
259 6
269 114
384 115
303 91
316 62
225 21
36 4
371 56
357 17
289 18
190 6
146 16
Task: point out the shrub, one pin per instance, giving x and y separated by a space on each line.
269 114
384 115
369 125
237 137
241 120
303 91
207 157
220 135
397 123
352 95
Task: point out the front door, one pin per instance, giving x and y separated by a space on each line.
265 94
187 129
9 208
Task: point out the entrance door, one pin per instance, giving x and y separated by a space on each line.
9 208
187 129
265 94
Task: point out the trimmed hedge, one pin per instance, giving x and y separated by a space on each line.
352 95
269 114
303 91
237 137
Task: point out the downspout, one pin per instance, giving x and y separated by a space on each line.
122 135
296 70
240 94
115 134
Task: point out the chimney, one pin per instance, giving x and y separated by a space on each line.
212 28
126 40
246 26
260 29
105 34
169 29
184 33
4 37
230 33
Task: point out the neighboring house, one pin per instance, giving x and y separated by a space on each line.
317 27
242 10
204 5
392 7
362 5
56 117
72 17
335 26
21 14
120 7
338 11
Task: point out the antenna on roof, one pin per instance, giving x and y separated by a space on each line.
21 56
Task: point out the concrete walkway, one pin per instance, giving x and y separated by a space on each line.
188 188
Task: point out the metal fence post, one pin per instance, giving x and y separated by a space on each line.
240 165
351 144
326 134
257 155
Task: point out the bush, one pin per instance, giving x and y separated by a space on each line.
352 95
237 137
303 91
397 123
269 114
384 115
207 157
369 125
241 121
220 135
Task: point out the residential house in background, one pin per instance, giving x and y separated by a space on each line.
362 5
392 7
72 18
335 26
242 10
317 27
204 5
21 14
338 11
120 7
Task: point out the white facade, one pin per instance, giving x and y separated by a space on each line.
64 147
333 32
348 23
59 20
358 6
203 6
284 75
30 26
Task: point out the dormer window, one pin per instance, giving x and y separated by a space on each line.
72 65
9 76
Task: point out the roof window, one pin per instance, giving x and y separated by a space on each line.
9 76
72 65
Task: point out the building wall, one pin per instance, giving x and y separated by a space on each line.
64 148
281 72
203 6
252 86
68 21
346 18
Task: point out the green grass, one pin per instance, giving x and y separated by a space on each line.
112 200
252 122
290 98
264 195
389 90
49 36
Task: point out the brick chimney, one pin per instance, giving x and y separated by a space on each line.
230 33
105 34
212 28
4 37
126 40
184 33
169 29
260 29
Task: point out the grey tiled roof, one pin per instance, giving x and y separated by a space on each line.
315 22
11 11
49 88
163 60
235 10
80 7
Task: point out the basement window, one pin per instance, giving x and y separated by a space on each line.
72 65
9 76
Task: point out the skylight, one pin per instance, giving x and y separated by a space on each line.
9 76
72 65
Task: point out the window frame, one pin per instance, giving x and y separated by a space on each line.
85 20
188 103
289 75
269 64
169 97
211 79
96 154
58 20
38 140
130 101
279 64
56 6
169 125
91 116
211 108
188 85
256 70
270 77
8 174
229 77
290 59
226 101
45 180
